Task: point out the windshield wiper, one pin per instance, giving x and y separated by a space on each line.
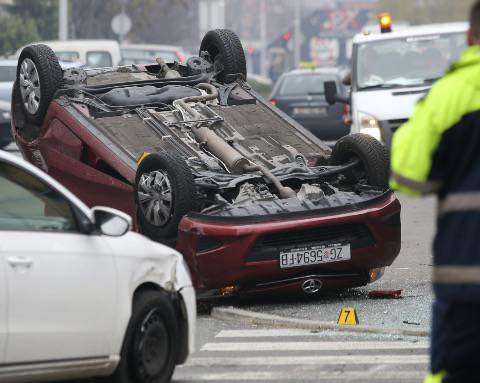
381 86
431 80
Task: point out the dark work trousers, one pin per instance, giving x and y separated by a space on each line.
455 344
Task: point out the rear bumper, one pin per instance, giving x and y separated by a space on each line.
237 256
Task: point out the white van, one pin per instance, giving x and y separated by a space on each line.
91 53
147 53
391 71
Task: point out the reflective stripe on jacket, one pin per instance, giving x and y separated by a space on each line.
438 151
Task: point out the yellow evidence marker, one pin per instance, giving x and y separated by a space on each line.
348 317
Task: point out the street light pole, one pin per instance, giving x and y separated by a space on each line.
297 32
263 38
63 20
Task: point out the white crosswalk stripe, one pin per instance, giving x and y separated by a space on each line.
267 333
311 346
301 355
309 360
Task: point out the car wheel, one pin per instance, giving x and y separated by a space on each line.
226 53
149 350
164 193
373 156
39 76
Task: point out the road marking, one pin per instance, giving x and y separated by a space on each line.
266 333
290 376
307 360
312 346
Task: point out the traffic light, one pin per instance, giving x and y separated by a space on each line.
287 36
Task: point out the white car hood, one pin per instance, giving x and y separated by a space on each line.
391 104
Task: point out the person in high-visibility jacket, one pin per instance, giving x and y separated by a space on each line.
438 151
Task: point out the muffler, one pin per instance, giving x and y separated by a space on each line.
235 162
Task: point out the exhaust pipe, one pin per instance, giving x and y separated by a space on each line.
233 160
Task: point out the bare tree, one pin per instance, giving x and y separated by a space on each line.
153 21
427 11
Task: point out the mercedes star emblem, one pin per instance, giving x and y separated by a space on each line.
311 286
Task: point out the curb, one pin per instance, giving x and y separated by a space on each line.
231 313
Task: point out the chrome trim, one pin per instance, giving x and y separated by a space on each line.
61 370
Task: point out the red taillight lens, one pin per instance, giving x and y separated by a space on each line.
347 117
274 102
181 58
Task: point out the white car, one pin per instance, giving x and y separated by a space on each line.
80 295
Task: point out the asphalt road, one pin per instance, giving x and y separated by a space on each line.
239 352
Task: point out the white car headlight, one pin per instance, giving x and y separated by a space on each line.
370 125
6 115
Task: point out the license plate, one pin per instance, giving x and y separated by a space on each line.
314 255
316 111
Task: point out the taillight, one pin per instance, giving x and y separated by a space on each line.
181 58
274 102
347 117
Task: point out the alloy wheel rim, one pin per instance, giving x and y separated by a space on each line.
155 197
29 85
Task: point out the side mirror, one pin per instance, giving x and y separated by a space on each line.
331 94
111 222
346 76
347 79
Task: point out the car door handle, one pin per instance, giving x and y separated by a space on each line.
20 262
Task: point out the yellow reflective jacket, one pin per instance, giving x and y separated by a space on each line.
438 150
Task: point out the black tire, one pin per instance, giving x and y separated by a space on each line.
374 157
225 50
50 77
153 322
181 183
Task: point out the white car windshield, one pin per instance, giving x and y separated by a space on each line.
407 61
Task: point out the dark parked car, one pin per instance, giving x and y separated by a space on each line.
255 202
300 94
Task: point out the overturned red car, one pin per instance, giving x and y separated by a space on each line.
255 202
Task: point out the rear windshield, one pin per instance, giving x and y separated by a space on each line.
69 56
7 73
296 85
146 56
99 59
